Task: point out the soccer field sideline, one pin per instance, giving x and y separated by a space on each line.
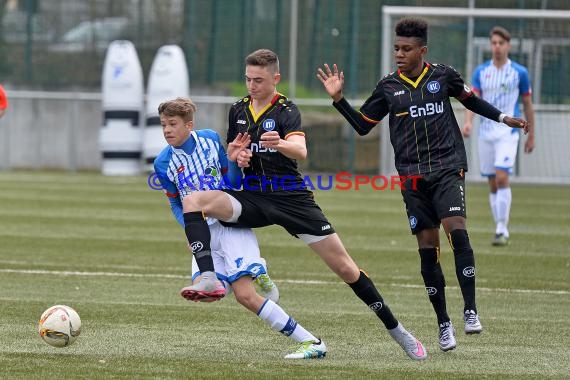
280 280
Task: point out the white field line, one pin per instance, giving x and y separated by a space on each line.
312 282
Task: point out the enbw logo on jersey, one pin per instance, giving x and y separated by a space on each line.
268 125
433 86
413 221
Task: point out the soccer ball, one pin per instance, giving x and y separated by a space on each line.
59 326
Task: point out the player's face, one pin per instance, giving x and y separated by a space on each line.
175 130
499 47
409 55
261 82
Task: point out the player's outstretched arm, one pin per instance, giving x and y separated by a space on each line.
333 81
516 122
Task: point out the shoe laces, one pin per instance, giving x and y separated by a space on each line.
445 331
470 317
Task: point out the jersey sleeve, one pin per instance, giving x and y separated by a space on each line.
232 130
290 122
456 87
356 120
223 158
376 106
169 188
476 80
524 82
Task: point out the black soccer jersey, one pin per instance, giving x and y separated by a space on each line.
423 128
269 170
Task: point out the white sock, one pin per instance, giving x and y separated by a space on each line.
281 322
493 204
504 198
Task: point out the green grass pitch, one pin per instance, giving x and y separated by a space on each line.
110 248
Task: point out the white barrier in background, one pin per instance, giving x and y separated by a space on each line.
121 134
168 79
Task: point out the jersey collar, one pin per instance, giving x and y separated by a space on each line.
418 80
262 111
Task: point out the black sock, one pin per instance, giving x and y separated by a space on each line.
434 282
464 266
198 235
365 290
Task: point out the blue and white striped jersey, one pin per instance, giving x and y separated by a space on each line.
197 165
502 87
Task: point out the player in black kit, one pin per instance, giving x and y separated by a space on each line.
266 139
427 142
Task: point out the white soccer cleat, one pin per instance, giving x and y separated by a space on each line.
309 350
411 346
204 291
447 336
472 323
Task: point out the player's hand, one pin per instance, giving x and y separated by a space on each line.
333 81
467 128
516 122
243 158
529 144
240 143
270 139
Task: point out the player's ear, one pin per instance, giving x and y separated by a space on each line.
277 78
423 50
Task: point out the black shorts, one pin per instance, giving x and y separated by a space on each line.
294 210
434 196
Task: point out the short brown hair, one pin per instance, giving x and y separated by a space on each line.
183 107
501 32
263 58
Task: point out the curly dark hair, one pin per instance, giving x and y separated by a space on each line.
413 27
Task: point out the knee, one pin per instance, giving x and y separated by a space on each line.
429 259
191 202
501 179
459 240
349 271
246 299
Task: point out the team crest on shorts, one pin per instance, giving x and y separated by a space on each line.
268 124
413 222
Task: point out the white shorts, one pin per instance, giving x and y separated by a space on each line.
235 252
499 153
